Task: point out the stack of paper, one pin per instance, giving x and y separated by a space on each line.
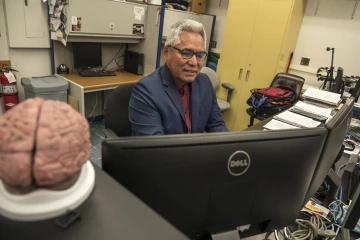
296 120
318 113
321 97
276 125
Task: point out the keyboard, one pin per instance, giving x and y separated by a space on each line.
96 74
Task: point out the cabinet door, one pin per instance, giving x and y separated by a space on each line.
105 17
4 48
27 24
270 26
234 51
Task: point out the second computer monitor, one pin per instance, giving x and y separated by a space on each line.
337 85
209 183
337 128
87 55
356 91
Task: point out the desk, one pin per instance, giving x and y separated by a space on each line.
79 85
110 212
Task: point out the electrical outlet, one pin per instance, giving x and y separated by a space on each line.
305 61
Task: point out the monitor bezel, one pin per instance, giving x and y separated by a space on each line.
337 125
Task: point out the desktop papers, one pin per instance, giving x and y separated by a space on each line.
296 120
312 111
321 96
277 125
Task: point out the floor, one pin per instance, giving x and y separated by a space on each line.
96 137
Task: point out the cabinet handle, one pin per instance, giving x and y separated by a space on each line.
247 76
240 74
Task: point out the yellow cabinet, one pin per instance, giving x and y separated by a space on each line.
235 48
253 45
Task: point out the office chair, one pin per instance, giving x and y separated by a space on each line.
116 113
291 81
224 105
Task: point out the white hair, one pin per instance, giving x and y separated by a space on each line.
185 25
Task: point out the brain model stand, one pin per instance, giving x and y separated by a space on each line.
44 167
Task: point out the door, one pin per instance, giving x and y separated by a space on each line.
270 26
235 48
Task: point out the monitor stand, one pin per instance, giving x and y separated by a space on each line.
230 235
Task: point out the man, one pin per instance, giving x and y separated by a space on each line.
177 98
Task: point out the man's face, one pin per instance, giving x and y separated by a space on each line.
185 70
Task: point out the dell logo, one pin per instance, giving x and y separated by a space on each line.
238 163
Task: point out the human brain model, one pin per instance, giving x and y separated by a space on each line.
43 144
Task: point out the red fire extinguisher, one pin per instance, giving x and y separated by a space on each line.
8 87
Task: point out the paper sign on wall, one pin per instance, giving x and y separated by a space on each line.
53 36
73 20
138 12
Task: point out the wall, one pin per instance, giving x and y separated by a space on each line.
219 9
331 27
29 62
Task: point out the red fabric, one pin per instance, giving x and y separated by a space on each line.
184 92
275 93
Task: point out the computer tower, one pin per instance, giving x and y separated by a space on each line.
134 62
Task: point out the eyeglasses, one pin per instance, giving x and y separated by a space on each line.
187 54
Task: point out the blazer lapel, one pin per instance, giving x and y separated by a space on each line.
172 90
195 104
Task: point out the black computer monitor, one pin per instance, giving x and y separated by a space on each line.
353 214
349 182
87 55
337 85
356 91
209 183
337 128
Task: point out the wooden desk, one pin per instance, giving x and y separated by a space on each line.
79 85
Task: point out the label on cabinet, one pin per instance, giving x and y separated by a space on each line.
76 23
138 12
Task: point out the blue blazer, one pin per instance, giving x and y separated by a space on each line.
155 106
